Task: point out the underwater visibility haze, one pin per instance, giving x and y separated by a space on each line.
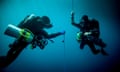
63 56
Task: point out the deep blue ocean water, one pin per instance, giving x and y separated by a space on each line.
59 56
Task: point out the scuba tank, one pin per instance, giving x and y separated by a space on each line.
17 33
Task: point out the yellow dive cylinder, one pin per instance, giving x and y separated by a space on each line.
17 32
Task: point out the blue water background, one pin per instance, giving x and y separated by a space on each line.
59 56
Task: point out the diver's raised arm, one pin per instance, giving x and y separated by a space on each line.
73 20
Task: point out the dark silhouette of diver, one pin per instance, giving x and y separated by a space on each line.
89 34
30 25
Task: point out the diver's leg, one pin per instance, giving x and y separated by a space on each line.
82 44
104 52
14 51
2 61
100 43
6 60
13 44
92 47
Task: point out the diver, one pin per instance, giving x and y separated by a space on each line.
89 34
36 25
31 30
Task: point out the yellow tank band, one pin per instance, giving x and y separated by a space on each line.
25 34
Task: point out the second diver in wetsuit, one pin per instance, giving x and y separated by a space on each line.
89 34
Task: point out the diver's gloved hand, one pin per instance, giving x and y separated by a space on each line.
72 17
62 32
